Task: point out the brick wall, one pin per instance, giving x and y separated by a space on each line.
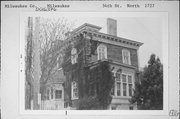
115 53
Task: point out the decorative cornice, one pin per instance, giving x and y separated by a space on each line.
87 26
102 37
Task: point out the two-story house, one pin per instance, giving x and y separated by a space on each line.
87 47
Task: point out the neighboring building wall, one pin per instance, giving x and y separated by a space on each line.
33 70
36 66
54 97
54 91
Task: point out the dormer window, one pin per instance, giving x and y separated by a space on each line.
74 56
102 52
126 57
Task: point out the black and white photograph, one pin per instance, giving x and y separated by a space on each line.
89 59
93 63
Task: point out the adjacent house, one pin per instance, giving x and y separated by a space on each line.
54 92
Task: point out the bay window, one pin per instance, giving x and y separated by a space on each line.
123 85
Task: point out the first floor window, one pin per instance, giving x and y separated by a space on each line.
130 107
112 91
130 89
130 85
123 85
124 80
74 90
58 94
52 93
113 108
124 89
118 89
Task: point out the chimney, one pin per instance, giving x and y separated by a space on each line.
111 26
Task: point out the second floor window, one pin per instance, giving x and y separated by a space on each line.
126 57
102 52
74 56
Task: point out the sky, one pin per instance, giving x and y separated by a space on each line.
145 29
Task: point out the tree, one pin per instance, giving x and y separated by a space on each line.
52 39
149 90
103 78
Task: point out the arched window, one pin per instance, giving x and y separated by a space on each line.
74 56
102 52
126 56
74 90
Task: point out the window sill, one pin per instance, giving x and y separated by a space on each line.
122 97
74 99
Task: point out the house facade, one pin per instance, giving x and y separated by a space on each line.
87 48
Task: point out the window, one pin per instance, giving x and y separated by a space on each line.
123 85
47 94
74 90
127 85
118 89
102 52
92 89
113 108
74 56
126 57
58 94
112 90
52 93
130 107
130 85
118 83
